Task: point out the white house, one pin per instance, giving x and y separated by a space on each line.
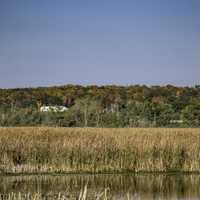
53 109
176 121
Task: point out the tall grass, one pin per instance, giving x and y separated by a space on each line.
99 150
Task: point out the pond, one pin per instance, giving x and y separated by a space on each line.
127 186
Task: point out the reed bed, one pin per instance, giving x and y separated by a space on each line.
99 150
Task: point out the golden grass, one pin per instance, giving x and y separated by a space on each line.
96 150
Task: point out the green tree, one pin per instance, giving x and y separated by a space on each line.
191 115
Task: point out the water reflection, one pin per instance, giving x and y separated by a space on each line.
137 186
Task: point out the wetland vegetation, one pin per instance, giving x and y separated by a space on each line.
99 150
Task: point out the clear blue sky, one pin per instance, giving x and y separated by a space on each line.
49 42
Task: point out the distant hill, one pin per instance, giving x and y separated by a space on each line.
133 102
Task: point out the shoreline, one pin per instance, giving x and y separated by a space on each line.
100 174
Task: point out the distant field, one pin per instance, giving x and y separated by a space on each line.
99 150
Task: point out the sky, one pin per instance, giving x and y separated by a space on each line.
99 42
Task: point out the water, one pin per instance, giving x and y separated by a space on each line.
141 187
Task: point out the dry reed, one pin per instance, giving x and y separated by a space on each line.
99 150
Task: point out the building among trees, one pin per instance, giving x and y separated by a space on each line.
53 109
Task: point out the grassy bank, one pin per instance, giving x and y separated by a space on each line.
34 150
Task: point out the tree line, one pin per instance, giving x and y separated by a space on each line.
102 106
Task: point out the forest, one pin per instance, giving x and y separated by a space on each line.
102 106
